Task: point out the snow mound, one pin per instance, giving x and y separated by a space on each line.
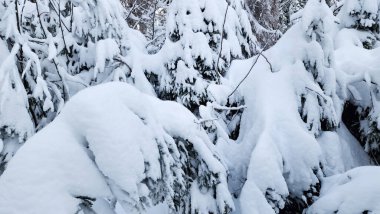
113 143
356 191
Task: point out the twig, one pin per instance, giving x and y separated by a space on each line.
121 59
250 70
39 18
63 35
219 107
221 41
270 64
316 92
201 121
55 9
22 13
154 18
130 12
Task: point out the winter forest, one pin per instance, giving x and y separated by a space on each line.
189 106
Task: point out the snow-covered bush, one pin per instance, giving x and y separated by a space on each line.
113 144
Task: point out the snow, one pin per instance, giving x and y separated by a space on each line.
349 46
15 122
105 50
362 12
54 177
341 151
280 143
74 154
355 191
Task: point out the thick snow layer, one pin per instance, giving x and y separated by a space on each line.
284 153
355 60
359 12
341 151
105 142
356 191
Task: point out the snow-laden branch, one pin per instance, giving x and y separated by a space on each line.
112 142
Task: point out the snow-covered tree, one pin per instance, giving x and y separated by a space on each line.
358 40
55 49
149 17
110 146
271 18
203 37
291 99
319 105
276 14
265 21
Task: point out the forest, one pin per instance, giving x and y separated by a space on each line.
189 106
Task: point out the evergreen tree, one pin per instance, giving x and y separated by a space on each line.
203 37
